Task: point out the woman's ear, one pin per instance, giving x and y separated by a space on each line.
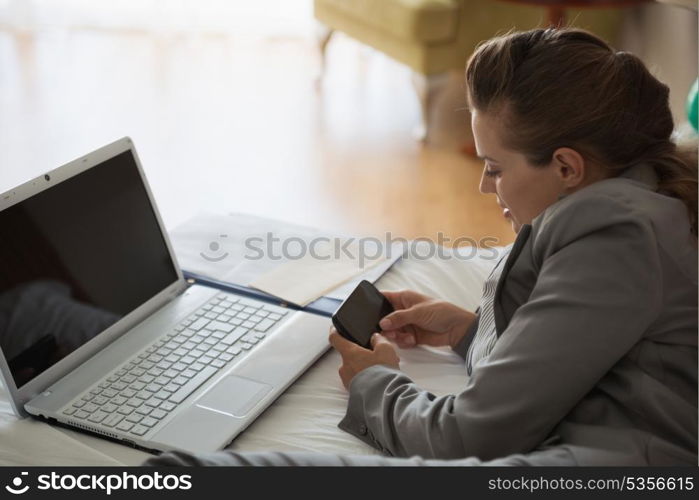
570 167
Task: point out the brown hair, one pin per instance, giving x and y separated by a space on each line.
567 87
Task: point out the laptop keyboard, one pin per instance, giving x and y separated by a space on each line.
140 394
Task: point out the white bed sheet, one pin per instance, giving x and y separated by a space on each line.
305 417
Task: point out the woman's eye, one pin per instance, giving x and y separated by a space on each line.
491 173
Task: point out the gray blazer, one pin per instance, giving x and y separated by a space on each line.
595 362
596 317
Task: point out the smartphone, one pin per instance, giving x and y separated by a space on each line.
358 316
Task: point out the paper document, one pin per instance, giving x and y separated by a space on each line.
393 253
249 250
301 281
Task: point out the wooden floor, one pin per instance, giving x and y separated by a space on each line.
240 124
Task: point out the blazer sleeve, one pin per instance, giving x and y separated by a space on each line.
597 291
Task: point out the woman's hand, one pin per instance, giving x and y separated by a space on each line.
355 358
419 319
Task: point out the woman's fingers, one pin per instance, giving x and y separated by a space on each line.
395 298
341 344
403 299
403 339
383 350
415 315
407 340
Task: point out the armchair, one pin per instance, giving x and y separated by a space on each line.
434 37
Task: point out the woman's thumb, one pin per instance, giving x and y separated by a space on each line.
399 319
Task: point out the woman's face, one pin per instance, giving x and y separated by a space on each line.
523 191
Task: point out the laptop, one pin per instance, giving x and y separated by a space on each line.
100 331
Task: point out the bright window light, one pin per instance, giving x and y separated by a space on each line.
244 17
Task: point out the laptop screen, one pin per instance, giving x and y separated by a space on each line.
74 259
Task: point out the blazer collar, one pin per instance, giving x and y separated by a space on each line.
643 173
522 238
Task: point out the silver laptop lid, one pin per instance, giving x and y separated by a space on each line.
84 258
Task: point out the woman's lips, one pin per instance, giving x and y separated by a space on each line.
506 212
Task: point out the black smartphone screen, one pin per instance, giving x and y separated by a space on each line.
359 315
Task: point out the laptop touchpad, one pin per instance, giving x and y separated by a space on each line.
234 396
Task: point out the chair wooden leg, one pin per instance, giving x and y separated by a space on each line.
324 35
427 88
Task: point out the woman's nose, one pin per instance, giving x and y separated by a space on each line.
486 185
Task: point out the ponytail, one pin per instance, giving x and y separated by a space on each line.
677 177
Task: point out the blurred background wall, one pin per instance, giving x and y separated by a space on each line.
225 105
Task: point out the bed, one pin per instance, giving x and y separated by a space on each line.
305 417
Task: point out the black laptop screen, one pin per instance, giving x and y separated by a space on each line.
73 260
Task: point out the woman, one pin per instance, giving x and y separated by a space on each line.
584 349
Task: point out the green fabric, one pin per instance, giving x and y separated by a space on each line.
474 21
693 105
